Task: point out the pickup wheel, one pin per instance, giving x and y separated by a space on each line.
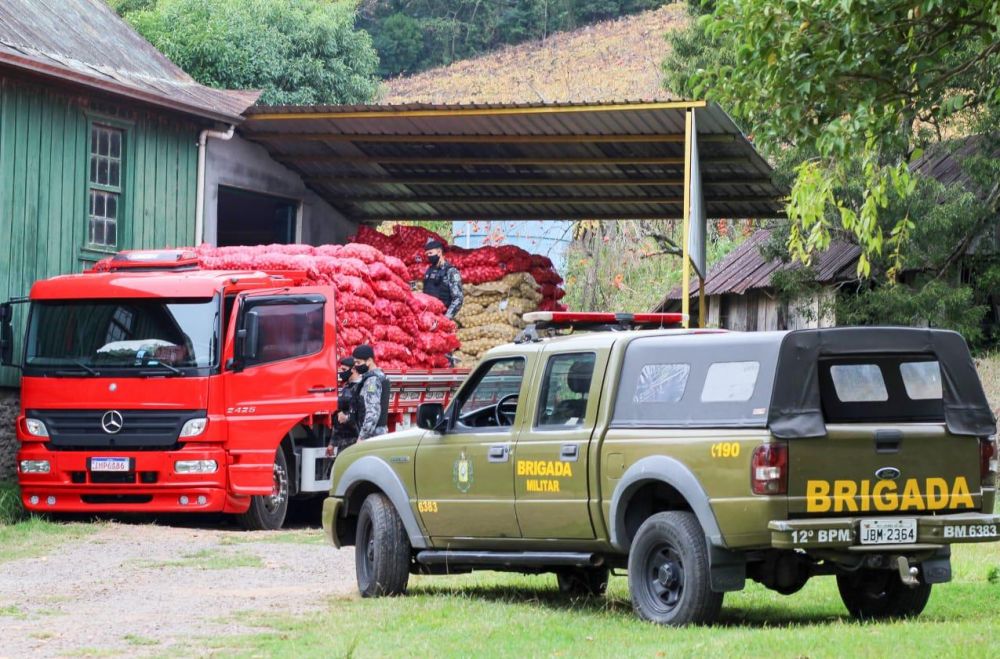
668 572
382 549
267 512
881 595
583 581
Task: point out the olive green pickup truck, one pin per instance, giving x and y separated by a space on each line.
693 459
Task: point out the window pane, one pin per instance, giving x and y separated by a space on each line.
102 144
858 383
565 389
93 138
99 204
110 233
287 330
111 210
502 379
921 379
116 144
730 382
96 232
102 171
661 383
114 173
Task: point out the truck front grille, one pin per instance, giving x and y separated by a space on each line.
141 430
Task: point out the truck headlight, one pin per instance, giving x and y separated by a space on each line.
34 466
36 427
195 467
194 427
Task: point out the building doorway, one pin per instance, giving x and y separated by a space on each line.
252 218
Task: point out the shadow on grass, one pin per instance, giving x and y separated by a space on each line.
756 617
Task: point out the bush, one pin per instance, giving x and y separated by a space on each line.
11 510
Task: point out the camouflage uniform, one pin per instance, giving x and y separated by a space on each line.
374 388
444 282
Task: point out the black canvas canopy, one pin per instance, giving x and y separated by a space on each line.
796 409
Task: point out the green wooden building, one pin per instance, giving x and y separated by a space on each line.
99 138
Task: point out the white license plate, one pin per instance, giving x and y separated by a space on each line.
888 531
109 464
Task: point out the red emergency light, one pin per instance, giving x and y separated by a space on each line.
603 318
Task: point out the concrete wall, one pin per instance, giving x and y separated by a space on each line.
239 163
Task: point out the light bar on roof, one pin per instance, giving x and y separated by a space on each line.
570 318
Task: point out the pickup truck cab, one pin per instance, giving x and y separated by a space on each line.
695 459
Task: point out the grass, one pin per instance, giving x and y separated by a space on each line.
11 510
11 612
135 639
297 537
36 536
205 559
488 614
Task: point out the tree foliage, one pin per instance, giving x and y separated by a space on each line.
863 85
413 35
297 51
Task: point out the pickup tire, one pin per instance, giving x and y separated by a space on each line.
880 595
382 551
668 572
583 581
267 513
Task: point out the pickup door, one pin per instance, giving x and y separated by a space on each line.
551 454
887 450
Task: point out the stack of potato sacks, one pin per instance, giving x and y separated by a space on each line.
374 302
500 284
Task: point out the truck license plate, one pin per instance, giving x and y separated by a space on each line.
109 464
888 531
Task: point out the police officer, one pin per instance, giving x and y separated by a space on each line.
345 423
442 279
373 394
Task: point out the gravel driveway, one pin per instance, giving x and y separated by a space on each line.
140 589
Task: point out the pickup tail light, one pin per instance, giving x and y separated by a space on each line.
769 469
988 461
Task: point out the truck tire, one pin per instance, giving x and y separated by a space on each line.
267 513
668 572
881 595
382 550
583 581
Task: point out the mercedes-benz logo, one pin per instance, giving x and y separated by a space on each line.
112 422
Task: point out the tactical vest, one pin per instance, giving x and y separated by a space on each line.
383 417
347 402
436 283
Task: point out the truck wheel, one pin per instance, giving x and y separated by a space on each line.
382 549
267 513
668 572
880 595
583 581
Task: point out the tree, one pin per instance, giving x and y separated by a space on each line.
862 85
297 51
399 44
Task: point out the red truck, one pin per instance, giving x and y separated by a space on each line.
161 387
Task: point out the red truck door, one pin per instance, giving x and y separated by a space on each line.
282 368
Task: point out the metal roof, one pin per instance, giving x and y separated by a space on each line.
945 161
745 268
84 42
528 161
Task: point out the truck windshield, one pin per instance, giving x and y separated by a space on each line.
139 335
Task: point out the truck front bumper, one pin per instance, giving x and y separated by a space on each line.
843 533
151 484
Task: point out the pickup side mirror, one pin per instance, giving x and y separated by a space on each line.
6 334
429 415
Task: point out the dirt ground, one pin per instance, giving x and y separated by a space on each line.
142 589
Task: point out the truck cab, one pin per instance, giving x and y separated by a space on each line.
694 459
155 386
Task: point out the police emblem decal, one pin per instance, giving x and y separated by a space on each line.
461 473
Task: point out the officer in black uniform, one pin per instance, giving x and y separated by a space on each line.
442 279
373 394
345 422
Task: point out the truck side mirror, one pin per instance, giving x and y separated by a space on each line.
429 415
247 339
6 334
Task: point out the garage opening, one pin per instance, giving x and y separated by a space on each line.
252 218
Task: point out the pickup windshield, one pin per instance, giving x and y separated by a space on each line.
131 336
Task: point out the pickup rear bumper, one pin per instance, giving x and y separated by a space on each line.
151 485
843 533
